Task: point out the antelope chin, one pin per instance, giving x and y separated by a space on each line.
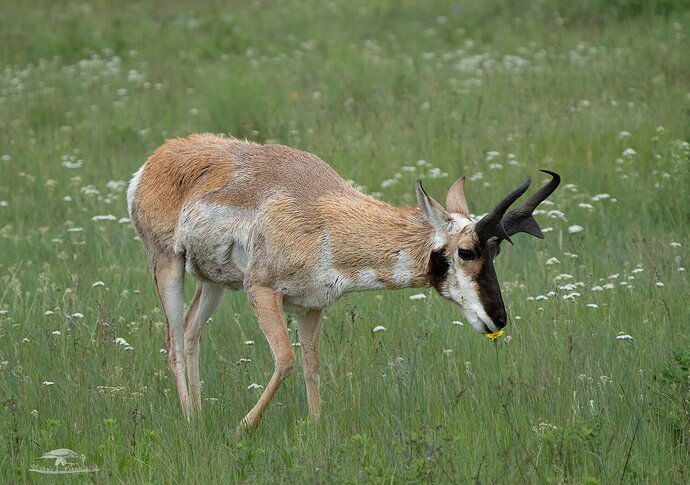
480 325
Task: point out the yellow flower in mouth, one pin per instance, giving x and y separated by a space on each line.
495 335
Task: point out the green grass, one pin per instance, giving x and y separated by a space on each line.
370 87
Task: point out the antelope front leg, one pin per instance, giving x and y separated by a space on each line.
308 328
268 306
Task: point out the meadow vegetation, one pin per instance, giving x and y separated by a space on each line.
590 383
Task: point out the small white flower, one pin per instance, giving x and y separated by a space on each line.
638 270
77 315
563 276
129 347
244 361
585 205
448 351
624 336
629 152
681 269
123 220
296 344
49 312
120 341
162 351
378 328
599 197
97 283
609 286
624 134
418 296
248 342
614 276
592 305
254 385
571 296
659 284
48 383
458 323
597 288
552 260
541 297
57 332
547 229
575 229
108 217
556 214
675 244
75 229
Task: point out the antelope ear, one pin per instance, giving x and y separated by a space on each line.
432 210
455 200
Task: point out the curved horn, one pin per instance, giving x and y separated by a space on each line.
490 225
520 219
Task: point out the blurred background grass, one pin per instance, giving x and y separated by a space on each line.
597 90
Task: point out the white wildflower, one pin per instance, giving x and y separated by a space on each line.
47 383
552 260
108 217
659 284
254 385
378 328
624 336
624 134
585 205
629 152
599 197
458 323
57 332
592 305
675 244
248 342
575 229
418 296
97 283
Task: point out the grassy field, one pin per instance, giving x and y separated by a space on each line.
598 91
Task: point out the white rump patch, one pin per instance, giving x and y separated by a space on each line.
132 189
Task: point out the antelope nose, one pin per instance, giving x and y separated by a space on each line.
500 323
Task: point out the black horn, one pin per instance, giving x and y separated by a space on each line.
520 219
490 225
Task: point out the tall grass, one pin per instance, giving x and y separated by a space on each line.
491 90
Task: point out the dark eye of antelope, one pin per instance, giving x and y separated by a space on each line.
466 254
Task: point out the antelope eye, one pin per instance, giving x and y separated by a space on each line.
466 254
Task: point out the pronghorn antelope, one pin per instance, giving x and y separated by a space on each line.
281 225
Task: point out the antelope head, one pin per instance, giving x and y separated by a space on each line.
461 266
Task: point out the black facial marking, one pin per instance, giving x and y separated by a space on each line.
490 293
438 267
